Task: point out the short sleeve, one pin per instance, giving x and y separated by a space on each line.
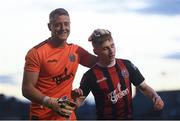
85 85
32 61
136 77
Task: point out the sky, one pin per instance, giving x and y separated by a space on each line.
145 32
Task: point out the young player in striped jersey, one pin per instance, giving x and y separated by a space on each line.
110 81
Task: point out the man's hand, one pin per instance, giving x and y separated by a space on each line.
77 95
62 106
66 106
77 92
158 103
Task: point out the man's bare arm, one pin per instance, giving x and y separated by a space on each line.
151 93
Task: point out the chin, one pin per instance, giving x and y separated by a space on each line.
112 60
63 38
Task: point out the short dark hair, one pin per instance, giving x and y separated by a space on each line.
99 36
59 11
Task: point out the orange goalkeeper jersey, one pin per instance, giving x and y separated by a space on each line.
57 68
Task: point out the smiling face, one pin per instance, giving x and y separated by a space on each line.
105 52
60 28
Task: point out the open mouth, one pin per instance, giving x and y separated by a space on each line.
61 32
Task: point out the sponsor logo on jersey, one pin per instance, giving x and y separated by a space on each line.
63 77
117 94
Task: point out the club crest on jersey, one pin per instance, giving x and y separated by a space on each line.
72 57
125 73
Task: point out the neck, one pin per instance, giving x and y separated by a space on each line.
58 43
106 65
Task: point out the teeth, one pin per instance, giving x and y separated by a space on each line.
62 32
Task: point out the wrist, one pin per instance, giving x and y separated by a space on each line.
155 98
46 101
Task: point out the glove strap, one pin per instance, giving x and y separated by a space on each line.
46 101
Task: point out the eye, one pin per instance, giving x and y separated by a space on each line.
112 46
105 48
66 23
56 25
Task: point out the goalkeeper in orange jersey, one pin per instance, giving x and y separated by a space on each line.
49 71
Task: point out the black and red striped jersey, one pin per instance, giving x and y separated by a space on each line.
111 87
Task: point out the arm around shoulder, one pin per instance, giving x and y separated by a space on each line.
86 59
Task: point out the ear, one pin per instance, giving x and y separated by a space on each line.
49 26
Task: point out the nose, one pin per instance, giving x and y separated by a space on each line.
110 51
62 27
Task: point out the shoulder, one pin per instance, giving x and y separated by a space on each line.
37 49
75 47
40 45
127 63
32 52
88 77
78 49
90 71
